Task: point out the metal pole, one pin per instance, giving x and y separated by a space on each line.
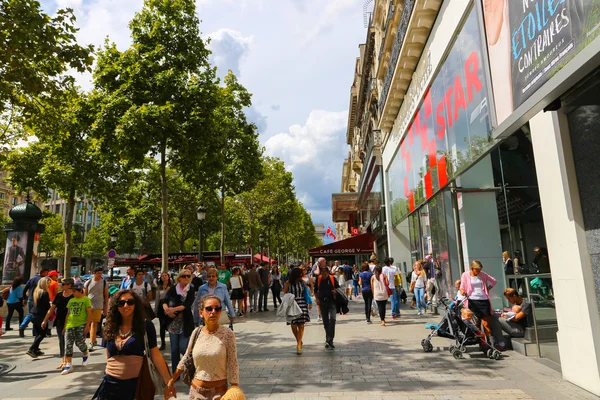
200 245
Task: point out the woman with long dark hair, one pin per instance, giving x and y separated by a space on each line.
296 286
41 305
14 302
125 333
379 283
163 284
178 309
276 285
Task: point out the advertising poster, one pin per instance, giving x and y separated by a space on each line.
14 256
531 40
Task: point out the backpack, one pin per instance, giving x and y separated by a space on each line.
87 284
145 287
319 281
355 276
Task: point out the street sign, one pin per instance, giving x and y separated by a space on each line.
111 262
112 253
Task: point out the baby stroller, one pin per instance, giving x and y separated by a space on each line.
463 333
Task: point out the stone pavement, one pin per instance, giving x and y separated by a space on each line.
369 362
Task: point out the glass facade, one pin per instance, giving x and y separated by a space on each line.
449 131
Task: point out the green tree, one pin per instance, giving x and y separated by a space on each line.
52 241
36 52
158 97
96 243
240 156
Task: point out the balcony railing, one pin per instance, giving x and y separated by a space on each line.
390 14
409 6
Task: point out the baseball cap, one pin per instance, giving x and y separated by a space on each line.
78 286
98 268
53 273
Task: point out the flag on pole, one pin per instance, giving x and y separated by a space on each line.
330 233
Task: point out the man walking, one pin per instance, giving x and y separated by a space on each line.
97 291
224 275
347 270
265 280
28 294
316 272
391 271
254 285
128 278
140 286
325 292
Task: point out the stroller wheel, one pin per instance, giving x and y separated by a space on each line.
489 353
427 346
496 355
452 348
457 354
463 349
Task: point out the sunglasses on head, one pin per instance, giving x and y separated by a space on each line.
129 302
211 308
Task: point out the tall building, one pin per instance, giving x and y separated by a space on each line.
8 197
473 132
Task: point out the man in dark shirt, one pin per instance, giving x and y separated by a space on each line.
28 294
516 326
325 292
348 275
265 277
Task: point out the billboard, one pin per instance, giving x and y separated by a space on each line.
14 256
531 40
450 129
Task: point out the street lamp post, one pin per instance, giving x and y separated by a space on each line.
261 239
113 240
201 214
283 254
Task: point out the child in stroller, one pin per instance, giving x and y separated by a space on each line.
457 325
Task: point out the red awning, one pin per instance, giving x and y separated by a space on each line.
362 244
257 259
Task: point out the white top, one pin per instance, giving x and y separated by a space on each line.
379 290
478 293
418 279
390 271
341 279
235 282
140 290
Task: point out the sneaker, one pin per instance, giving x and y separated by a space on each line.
259 310
369 321
85 361
419 313
8 329
319 318
326 345
251 311
40 353
31 354
394 317
91 346
331 345
68 369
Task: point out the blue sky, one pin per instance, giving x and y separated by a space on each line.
297 57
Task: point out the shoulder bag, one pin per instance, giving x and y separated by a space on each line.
189 368
149 373
387 286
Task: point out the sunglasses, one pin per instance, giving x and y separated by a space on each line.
185 276
212 276
211 309
129 302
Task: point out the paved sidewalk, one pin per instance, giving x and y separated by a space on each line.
369 362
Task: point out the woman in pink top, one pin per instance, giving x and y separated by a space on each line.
476 284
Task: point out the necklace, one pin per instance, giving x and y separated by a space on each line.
210 332
124 335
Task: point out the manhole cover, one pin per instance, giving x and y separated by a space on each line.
5 368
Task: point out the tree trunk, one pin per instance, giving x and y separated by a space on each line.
223 224
68 230
164 209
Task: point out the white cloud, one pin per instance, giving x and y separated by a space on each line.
229 48
331 16
314 152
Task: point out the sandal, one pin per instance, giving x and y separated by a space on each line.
61 366
299 349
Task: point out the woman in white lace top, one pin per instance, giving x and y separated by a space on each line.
214 353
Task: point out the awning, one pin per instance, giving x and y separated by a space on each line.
362 244
257 259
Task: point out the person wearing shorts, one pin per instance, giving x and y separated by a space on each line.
96 290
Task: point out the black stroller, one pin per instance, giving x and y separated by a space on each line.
464 334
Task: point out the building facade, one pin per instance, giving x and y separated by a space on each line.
476 125
8 197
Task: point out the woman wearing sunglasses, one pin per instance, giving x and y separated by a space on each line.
214 353
178 311
124 333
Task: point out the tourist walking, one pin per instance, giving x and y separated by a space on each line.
177 307
316 272
126 333
59 306
96 290
163 285
212 353
296 286
216 288
475 285
129 277
41 305
276 286
355 283
254 284
140 287
28 290
14 302
348 275
391 273
79 321
236 283
265 280
364 279
417 284
53 286
380 286
325 292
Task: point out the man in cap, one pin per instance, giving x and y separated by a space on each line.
97 291
53 287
